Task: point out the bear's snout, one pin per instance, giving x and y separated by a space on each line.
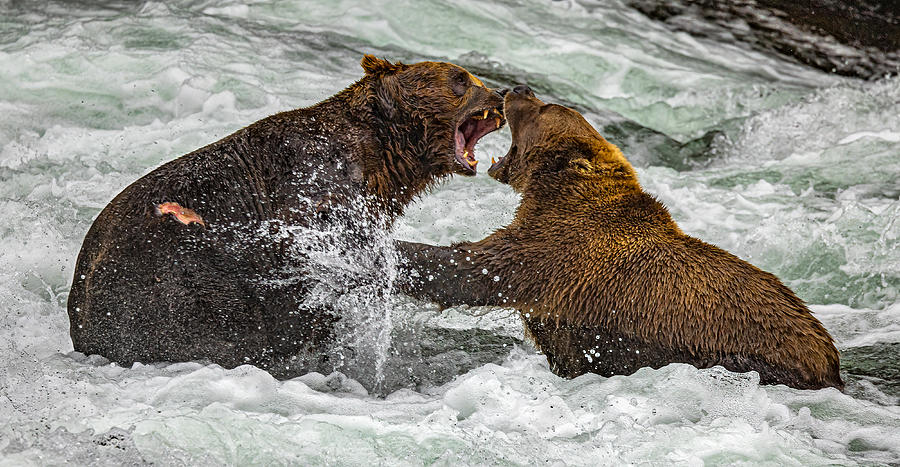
524 90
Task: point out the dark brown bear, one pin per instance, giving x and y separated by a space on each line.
604 279
179 267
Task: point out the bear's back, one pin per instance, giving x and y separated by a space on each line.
654 296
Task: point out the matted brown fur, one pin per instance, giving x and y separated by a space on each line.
604 279
174 268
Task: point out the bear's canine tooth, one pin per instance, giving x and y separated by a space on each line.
493 161
485 114
497 119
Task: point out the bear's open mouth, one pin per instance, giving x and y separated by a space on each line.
470 131
497 165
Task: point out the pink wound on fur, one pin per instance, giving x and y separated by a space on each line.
184 215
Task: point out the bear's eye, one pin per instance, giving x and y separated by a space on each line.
460 83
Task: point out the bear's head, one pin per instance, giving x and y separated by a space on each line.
433 112
550 140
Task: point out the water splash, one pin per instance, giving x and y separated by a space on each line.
349 263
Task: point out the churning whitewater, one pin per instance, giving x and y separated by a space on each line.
790 168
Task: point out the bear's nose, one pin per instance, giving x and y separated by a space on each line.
523 89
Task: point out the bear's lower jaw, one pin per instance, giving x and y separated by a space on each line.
469 131
498 169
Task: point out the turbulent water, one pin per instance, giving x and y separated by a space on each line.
790 168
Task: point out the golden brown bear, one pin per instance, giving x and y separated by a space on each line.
604 279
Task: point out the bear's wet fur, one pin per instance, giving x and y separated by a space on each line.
179 267
604 279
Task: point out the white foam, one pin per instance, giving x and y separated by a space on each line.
860 327
883 135
237 11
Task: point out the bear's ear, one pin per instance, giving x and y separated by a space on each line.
378 66
615 169
581 165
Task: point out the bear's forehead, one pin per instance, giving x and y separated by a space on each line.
451 66
476 80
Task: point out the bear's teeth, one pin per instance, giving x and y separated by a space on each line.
485 114
469 160
497 119
493 161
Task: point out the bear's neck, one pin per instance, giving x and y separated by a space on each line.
609 209
394 170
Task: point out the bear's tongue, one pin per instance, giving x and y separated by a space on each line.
465 150
468 134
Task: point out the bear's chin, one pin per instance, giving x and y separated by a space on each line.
499 169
